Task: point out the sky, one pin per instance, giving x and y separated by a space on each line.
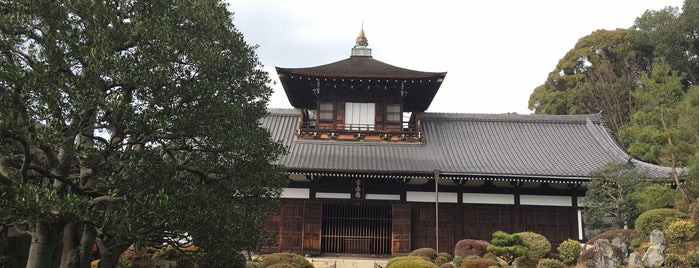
495 53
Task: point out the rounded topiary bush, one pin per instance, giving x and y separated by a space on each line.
550 263
523 261
467 247
681 231
538 246
569 251
428 253
442 258
276 259
447 265
410 262
657 219
479 263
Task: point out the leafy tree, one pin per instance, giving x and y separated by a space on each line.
132 122
654 196
688 123
596 75
654 133
609 193
507 246
671 34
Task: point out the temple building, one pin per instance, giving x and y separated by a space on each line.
372 173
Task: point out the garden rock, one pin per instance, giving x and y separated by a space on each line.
654 255
634 260
606 254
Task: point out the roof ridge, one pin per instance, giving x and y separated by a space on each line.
506 117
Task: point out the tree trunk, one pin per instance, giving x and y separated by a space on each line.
110 251
69 252
685 197
87 239
42 246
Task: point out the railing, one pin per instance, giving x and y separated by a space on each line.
394 129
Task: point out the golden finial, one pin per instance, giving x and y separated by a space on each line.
361 38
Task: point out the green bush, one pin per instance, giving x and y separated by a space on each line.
442 258
672 261
428 253
693 260
410 262
124 263
479 263
657 219
276 259
467 247
525 262
445 255
569 251
281 265
550 263
507 246
447 265
681 231
538 246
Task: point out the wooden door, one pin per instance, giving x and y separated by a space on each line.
290 231
401 240
312 227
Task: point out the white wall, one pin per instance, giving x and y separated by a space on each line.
498 199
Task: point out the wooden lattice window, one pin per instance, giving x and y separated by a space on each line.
326 111
393 114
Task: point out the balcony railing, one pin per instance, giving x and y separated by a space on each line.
408 131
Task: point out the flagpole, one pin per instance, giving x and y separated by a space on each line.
436 208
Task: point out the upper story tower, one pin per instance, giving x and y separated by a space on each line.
360 98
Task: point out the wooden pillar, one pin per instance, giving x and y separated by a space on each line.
517 211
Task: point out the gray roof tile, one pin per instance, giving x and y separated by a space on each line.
498 145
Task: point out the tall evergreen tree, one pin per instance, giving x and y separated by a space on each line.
654 132
132 122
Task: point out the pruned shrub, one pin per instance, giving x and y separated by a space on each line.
447 265
538 246
672 261
657 219
569 251
445 255
693 260
479 263
467 247
277 259
507 246
410 262
428 253
281 265
523 261
681 231
442 258
550 263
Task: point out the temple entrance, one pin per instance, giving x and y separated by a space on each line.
356 229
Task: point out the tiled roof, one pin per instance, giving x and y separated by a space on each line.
513 146
359 73
361 67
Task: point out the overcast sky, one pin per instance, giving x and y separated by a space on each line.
494 52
